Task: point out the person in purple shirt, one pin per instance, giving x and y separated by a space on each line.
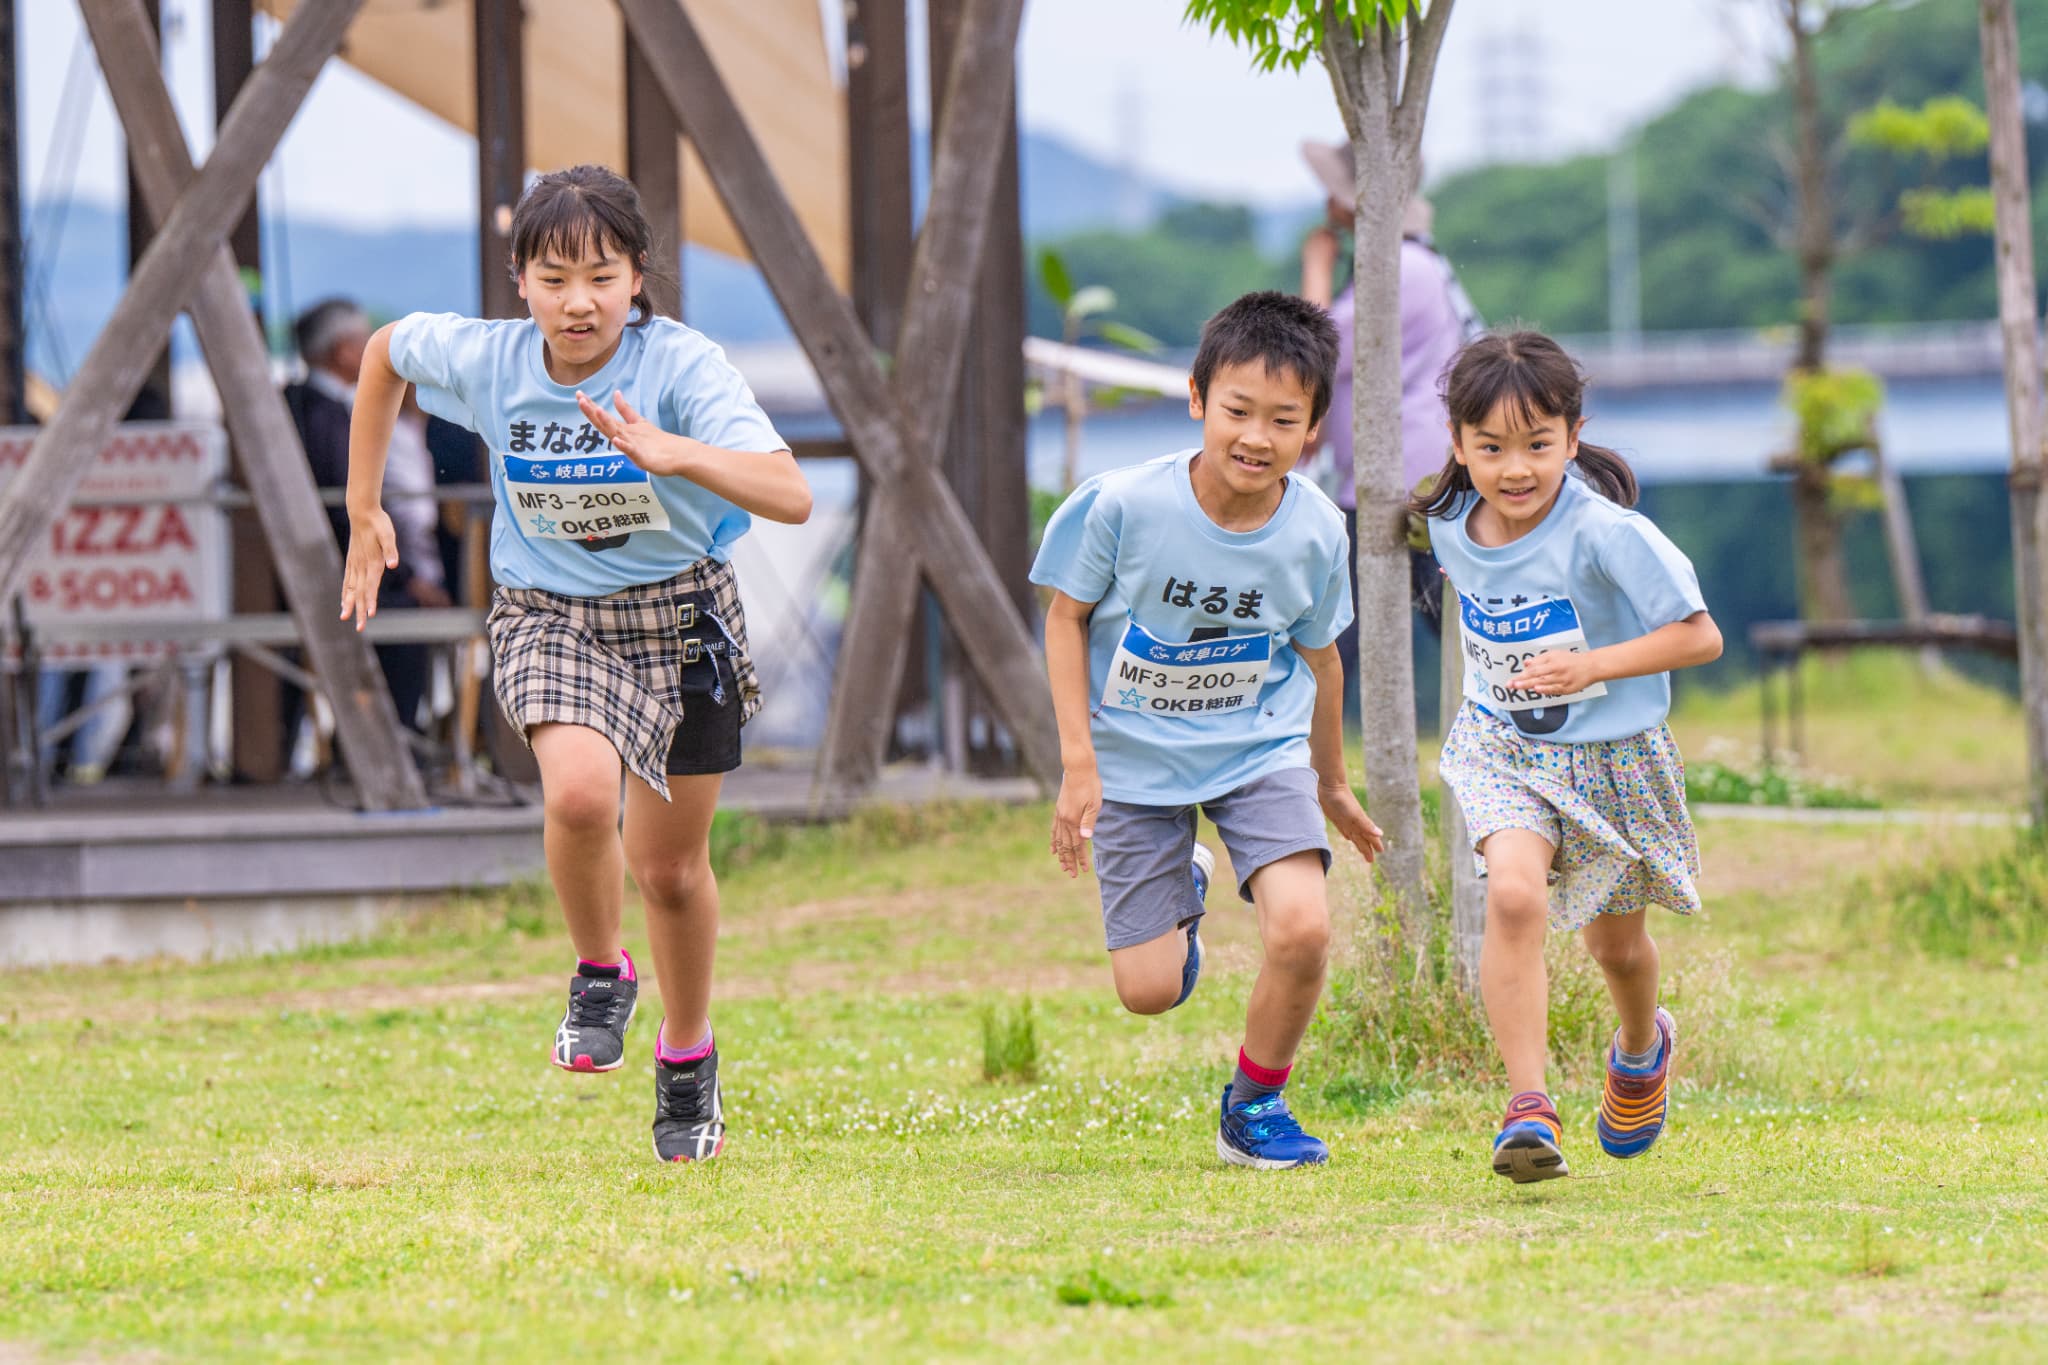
1436 319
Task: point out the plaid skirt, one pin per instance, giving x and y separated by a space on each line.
624 664
1613 809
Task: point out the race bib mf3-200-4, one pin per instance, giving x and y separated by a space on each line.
1200 676
1500 643
582 498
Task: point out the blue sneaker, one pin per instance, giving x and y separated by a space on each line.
1191 971
1265 1135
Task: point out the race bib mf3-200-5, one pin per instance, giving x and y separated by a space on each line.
1500 643
582 498
1200 676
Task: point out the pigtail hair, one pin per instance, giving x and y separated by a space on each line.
1440 495
1608 474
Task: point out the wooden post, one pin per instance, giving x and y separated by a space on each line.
153 401
186 255
1468 894
2015 251
13 366
500 34
651 164
886 421
260 750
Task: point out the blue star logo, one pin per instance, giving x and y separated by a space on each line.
1130 697
542 526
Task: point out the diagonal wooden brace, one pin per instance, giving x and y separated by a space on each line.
273 462
998 646
163 281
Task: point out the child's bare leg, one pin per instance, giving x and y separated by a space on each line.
579 783
1512 979
668 848
1294 928
1148 974
1627 955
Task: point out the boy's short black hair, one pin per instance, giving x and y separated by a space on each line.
1285 332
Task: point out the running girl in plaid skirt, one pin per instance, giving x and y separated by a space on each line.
627 457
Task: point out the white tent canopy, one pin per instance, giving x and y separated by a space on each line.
772 54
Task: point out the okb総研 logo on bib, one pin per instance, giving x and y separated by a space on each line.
1501 636
1161 678
582 497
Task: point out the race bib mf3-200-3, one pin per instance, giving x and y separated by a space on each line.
582 498
1500 643
1200 676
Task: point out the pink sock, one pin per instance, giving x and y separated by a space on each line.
664 1052
1273 1078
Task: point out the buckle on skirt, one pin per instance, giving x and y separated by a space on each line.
693 650
686 615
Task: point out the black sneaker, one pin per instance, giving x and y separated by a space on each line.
592 1036
689 1119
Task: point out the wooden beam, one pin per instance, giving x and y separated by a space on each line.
652 166
259 750
13 334
499 30
153 402
873 417
187 252
878 163
974 113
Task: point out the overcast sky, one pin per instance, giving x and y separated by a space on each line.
1122 79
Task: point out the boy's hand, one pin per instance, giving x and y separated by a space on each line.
1558 673
1341 808
1073 817
372 548
633 436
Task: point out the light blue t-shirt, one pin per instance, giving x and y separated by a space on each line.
1194 681
1591 574
575 516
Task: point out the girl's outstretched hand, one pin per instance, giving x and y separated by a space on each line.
372 548
1558 673
633 436
1341 808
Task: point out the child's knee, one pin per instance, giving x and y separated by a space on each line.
1148 975
668 882
1618 947
1297 938
581 806
1517 903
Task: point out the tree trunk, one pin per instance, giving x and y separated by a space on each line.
1816 235
1823 578
1386 663
2015 250
1468 895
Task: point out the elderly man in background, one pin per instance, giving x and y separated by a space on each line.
331 336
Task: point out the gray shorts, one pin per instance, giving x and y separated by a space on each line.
1143 853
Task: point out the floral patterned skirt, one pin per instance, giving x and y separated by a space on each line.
1613 809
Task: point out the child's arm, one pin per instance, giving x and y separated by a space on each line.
1682 644
767 483
1326 753
372 544
1066 667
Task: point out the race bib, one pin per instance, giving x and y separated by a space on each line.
579 498
1201 676
1498 645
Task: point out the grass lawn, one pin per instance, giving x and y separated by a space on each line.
361 1153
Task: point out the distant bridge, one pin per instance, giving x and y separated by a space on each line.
1656 360
782 378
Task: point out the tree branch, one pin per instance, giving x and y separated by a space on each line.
1343 59
1425 42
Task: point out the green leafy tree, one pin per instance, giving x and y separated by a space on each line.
1381 57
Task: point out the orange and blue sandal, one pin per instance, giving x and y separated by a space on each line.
1634 1102
1529 1146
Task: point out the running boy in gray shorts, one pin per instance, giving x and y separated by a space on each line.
1191 647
